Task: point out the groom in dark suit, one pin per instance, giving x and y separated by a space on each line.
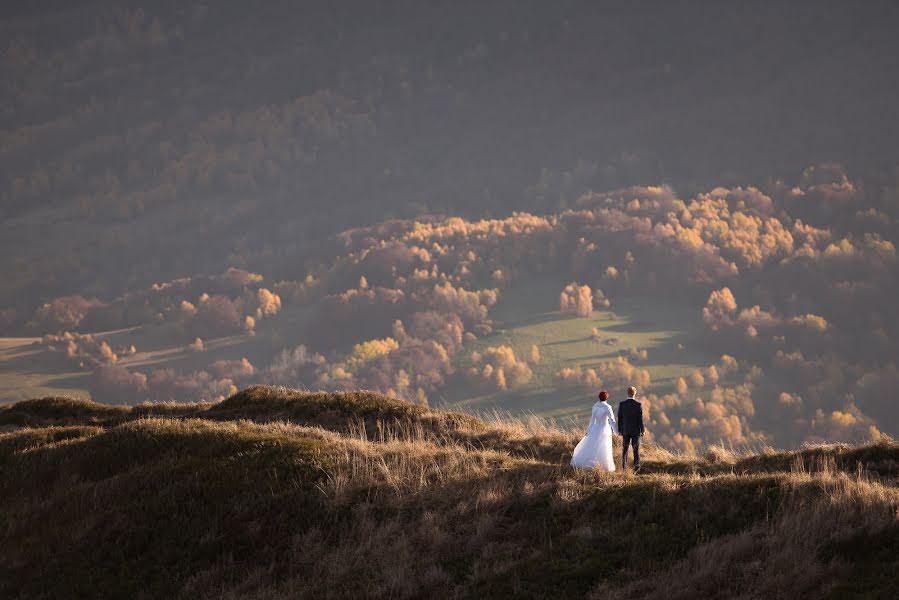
630 427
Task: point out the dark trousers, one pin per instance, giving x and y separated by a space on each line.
630 440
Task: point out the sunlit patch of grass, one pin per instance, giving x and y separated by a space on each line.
528 315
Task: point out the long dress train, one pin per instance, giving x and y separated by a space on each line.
594 451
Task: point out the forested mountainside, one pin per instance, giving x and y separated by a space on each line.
143 144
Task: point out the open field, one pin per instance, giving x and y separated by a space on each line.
529 314
28 370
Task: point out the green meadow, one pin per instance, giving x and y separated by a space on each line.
529 314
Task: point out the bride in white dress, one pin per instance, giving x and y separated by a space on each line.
594 451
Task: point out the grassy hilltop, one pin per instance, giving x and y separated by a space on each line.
276 493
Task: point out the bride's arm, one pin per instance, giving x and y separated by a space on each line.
612 422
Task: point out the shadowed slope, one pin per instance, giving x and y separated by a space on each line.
257 403
225 507
880 459
64 410
362 414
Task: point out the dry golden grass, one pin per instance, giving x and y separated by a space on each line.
283 494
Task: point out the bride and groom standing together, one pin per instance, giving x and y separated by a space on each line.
594 451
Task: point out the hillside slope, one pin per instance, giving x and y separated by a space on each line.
277 493
147 141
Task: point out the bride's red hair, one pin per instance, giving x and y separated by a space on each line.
604 395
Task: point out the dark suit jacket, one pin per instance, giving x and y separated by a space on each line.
630 417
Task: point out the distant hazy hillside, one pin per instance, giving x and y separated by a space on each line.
282 494
142 143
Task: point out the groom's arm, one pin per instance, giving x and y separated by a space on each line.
642 430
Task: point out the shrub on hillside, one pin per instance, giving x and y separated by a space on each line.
84 350
62 314
576 300
217 316
113 384
498 367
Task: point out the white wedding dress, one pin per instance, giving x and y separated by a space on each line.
594 451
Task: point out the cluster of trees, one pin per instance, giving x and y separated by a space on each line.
114 384
754 325
498 368
206 306
827 366
817 293
802 303
61 314
414 361
218 315
579 300
615 373
713 404
86 350
184 313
